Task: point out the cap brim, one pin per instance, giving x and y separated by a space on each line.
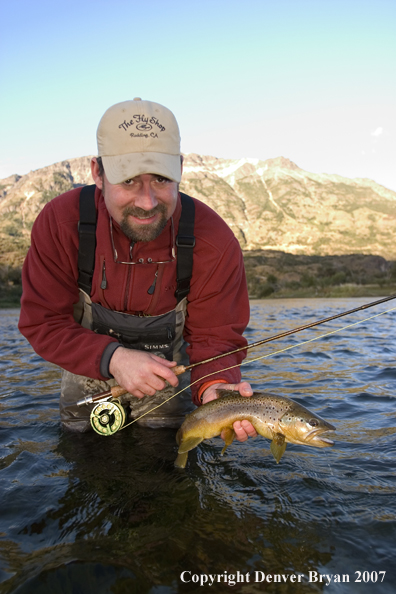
119 168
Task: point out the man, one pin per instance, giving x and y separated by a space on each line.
119 277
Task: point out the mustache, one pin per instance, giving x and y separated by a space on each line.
136 211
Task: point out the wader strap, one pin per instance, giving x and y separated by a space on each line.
185 242
87 238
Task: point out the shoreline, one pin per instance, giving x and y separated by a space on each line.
336 292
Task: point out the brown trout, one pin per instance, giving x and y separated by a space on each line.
275 417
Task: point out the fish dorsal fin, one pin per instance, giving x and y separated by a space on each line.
228 434
189 444
278 446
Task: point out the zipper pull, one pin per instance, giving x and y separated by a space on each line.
152 288
103 284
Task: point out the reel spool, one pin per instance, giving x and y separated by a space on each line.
107 417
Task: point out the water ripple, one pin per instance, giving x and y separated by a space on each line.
113 514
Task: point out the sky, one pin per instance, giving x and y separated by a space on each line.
310 80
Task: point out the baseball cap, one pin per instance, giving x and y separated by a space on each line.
137 137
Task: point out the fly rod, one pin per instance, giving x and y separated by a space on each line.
116 391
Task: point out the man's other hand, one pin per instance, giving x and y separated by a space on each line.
243 429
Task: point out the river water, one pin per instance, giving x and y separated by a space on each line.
95 514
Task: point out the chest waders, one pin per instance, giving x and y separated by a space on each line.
161 335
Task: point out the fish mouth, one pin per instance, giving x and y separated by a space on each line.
316 438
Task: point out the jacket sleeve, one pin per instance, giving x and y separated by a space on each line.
218 313
49 280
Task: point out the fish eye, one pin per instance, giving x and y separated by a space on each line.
313 422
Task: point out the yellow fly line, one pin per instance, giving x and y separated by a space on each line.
258 359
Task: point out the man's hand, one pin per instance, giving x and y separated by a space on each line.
243 429
141 373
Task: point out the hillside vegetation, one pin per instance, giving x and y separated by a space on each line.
302 234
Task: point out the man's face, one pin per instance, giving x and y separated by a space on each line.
141 206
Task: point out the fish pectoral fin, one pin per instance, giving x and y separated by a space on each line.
278 446
184 447
189 444
228 435
181 460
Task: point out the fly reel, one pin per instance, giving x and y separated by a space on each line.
107 417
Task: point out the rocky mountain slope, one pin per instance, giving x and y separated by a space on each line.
269 204
298 229
274 204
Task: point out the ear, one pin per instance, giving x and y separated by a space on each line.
95 173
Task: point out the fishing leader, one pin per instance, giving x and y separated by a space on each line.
129 277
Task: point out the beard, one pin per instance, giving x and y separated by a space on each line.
143 232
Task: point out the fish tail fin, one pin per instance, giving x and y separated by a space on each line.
181 460
228 435
278 446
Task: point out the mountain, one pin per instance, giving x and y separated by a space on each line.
23 197
276 205
270 205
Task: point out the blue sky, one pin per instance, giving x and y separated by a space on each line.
313 81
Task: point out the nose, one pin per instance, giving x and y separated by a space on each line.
145 197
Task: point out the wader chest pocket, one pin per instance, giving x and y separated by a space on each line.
154 334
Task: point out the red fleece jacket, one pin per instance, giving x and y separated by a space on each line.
218 306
